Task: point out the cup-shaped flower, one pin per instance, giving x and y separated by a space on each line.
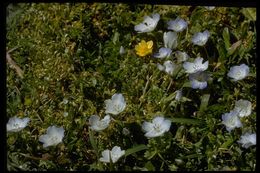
170 39
177 25
16 124
158 127
53 136
181 56
144 48
231 120
122 50
243 107
247 140
200 38
169 67
148 24
112 155
115 105
98 125
238 72
163 52
178 95
199 80
196 66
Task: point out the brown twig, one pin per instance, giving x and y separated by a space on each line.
13 64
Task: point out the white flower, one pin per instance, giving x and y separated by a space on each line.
97 124
177 25
115 105
247 140
199 80
53 136
200 38
113 155
231 120
178 95
148 24
122 50
196 66
243 107
163 52
181 56
209 7
170 39
158 127
238 72
168 66
16 124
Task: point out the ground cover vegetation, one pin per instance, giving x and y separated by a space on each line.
103 86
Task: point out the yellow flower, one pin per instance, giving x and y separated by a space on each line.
144 48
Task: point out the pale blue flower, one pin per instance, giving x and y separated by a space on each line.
16 124
243 107
163 52
196 66
113 155
247 140
200 38
177 25
168 66
178 95
238 72
53 136
98 125
122 50
158 127
148 24
199 80
115 105
181 56
231 120
170 39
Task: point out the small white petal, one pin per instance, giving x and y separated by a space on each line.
97 124
181 56
231 120
105 156
178 95
238 72
243 107
53 136
122 50
148 24
16 124
247 140
196 66
115 105
169 67
200 38
177 25
163 52
158 127
170 39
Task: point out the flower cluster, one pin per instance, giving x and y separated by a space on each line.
231 120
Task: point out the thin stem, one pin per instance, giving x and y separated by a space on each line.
206 52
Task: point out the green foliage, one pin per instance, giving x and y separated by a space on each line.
70 57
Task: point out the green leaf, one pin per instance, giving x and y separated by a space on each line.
149 166
93 142
187 121
135 149
226 37
249 13
227 143
116 38
204 102
191 156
